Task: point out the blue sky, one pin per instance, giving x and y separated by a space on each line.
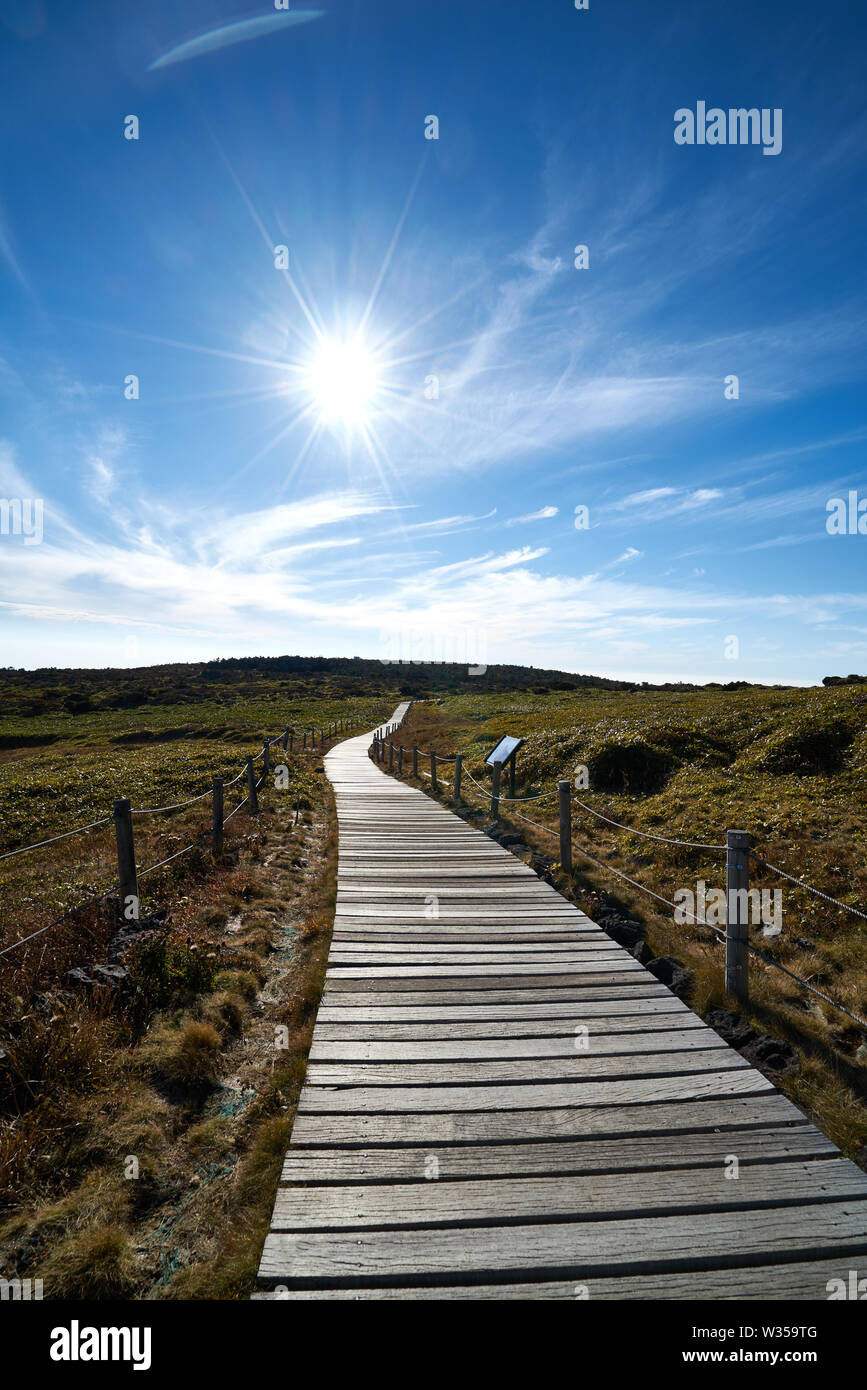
231 509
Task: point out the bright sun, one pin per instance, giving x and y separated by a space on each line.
342 379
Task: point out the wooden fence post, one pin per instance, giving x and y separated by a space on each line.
217 821
459 763
400 760
564 791
433 771
495 791
285 739
390 755
251 788
266 759
126 870
304 743
737 913
291 740
415 760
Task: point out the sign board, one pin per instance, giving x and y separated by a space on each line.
505 749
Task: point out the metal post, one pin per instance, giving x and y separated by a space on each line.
400 760
433 770
217 822
253 807
495 791
415 760
564 792
737 912
459 763
126 870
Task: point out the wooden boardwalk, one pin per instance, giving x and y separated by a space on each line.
500 1102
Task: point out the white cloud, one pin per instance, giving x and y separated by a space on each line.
541 515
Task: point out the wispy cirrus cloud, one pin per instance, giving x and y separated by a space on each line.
542 514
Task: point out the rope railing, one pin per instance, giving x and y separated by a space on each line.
609 868
808 888
738 852
123 813
175 806
646 835
40 931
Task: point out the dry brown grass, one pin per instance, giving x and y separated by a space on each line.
202 1101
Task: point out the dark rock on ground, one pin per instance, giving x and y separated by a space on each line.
133 932
541 862
622 930
78 978
765 1052
642 952
673 973
115 977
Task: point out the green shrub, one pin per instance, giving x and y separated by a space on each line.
168 975
634 768
815 747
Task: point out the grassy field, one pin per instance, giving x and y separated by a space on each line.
788 766
179 1070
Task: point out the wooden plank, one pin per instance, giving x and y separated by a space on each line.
629 1247
632 987
569 1066
566 1122
422 952
636 1029
579 1198
625 1154
469 1050
600 1007
417 1100
778 1282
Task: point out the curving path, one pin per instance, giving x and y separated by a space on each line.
500 1102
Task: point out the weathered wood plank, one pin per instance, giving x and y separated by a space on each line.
629 1247
579 1198
778 1282
622 1155
470 1050
629 1030
601 1006
566 1122
417 1100
589 989
570 1066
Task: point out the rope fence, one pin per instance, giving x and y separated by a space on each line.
737 849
